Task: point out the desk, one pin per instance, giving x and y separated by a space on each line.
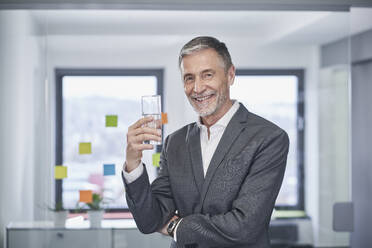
124 234
112 234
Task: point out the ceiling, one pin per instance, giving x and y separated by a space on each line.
334 5
273 27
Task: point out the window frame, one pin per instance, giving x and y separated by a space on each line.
62 72
300 150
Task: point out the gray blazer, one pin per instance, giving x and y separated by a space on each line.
232 205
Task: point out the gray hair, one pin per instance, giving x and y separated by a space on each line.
205 42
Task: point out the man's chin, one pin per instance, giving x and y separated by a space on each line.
205 110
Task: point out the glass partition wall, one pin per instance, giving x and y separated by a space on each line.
361 119
82 73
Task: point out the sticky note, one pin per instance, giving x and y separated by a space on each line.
60 172
108 169
164 118
111 120
86 196
156 159
85 148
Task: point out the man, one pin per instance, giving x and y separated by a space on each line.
221 175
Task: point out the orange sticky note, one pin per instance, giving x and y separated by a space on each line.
164 118
60 172
86 196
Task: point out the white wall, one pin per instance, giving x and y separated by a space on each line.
20 76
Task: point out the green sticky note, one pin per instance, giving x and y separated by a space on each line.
111 120
156 159
85 148
60 172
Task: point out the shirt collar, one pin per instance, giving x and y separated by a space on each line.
224 121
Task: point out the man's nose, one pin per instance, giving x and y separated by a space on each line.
198 86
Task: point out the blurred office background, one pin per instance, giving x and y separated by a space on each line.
305 66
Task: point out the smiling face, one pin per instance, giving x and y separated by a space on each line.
207 85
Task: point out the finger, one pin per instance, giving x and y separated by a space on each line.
144 137
159 123
141 122
148 130
141 147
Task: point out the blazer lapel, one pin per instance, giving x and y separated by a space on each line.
231 133
193 144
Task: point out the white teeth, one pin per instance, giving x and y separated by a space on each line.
200 99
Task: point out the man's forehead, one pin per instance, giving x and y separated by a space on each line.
198 69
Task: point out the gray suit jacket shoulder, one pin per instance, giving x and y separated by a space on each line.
232 205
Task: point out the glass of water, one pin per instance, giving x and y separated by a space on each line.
151 106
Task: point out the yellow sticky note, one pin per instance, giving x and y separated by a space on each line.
111 120
164 118
86 196
156 159
60 172
85 148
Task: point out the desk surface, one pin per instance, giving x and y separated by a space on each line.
74 223
79 223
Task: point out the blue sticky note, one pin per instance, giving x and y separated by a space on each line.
108 169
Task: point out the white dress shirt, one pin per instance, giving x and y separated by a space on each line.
208 146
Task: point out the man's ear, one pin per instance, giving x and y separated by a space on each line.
231 75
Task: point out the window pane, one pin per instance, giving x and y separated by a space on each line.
275 98
86 102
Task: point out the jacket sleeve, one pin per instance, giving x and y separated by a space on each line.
251 210
151 205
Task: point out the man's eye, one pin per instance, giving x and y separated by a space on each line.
188 79
208 75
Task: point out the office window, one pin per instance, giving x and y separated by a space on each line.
85 98
277 95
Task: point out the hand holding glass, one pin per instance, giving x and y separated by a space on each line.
151 106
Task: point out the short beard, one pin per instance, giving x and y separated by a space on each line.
207 112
